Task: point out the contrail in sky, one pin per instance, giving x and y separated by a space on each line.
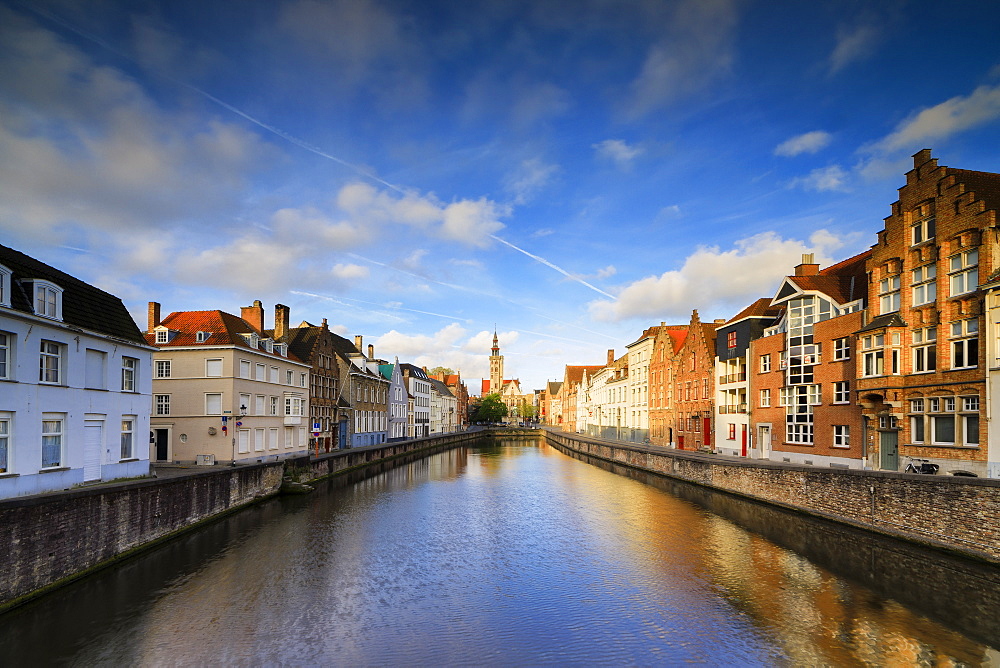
552 266
298 142
384 306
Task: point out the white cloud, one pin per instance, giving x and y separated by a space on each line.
607 272
853 44
943 120
695 49
712 278
617 151
530 177
350 272
824 179
543 232
450 347
810 142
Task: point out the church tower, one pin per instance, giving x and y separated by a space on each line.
496 366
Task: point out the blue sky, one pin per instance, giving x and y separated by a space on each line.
420 172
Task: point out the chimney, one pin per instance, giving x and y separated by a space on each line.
254 315
325 326
358 342
371 351
719 321
281 313
153 315
611 356
808 266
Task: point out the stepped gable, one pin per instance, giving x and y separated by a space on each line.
83 305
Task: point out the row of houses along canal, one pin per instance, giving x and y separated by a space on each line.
510 551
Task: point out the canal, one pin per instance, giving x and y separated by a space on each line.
517 554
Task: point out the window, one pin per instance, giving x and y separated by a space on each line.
244 368
5 275
924 353
201 337
129 365
50 363
842 392
213 368
258 408
273 410
4 444
261 372
245 404
128 430
874 363
924 229
289 377
841 349
258 439
162 336
732 432
213 404
765 398
273 377
302 379
6 358
965 344
731 339
243 440
48 300
293 406
161 403
888 290
924 284
841 436
163 368
943 429
970 422
765 363
52 440
963 272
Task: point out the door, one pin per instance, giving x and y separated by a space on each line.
93 433
160 440
743 440
889 450
764 439
707 431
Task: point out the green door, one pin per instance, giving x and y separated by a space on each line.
889 450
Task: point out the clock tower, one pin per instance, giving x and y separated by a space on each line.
496 366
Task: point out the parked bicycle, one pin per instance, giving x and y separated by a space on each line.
915 465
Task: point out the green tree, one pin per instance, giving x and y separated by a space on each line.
528 411
440 370
491 408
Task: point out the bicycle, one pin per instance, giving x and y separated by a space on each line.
916 465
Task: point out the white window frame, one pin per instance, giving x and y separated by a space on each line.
47 299
841 349
5 276
161 404
130 368
162 368
273 406
841 436
260 372
965 340
289 377
6 422
128 437
273 377
7 355
211 402
54 353
924 285
765 398
245 369
53 428
212 364
842 392
963 272
888 291
765 363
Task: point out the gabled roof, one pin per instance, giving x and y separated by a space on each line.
882 321
83 305
760 308
440 387
553 387
575 373
844 282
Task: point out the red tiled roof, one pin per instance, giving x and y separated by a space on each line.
575 373
225 329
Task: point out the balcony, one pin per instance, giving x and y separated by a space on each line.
733 378
733 409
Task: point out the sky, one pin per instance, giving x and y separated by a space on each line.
424 173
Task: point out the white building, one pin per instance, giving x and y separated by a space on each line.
444 408
397 401
639 353
418 388
75 382
992 338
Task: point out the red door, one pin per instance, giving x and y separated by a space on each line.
744 436
707 427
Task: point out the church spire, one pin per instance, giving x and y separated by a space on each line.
496 365
496 343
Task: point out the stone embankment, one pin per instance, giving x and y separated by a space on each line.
958 514
53 539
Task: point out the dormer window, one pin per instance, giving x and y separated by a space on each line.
5 275
269 345
252 339
47 299
281 349
164 335
201 337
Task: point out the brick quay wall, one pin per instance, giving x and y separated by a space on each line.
957 514
53 539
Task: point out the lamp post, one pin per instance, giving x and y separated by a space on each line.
237 423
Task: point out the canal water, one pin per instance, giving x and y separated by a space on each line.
516 554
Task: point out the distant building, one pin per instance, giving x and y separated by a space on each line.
75 374
397 403
694 371
418 388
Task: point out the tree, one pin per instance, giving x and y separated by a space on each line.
440 370
491 408
528 411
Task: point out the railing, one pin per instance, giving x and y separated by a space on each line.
734 408
733 378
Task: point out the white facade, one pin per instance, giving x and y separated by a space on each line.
74 402
637 414
444 409
992 407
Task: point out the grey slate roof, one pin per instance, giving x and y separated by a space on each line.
83 305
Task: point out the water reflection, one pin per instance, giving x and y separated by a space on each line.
515 554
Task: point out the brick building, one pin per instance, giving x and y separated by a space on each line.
666 344
922 376
694 371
